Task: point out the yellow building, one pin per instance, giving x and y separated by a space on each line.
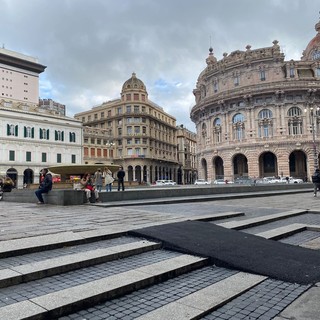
258 115
133 132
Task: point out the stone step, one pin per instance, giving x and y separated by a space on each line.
92 291
252 222
197 304
55 265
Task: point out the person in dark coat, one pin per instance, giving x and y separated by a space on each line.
316 182
120 175
45 185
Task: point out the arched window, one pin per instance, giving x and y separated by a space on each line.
239 117
294 112
265 113
265 123
217 122
295 121
238 126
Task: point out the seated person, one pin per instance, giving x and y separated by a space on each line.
87 185
7 184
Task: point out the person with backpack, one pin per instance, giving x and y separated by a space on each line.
316 181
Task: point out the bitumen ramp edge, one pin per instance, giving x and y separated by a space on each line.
238 250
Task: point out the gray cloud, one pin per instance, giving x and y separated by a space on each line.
92 47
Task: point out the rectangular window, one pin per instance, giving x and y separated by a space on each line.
262 75
236 81
119 110
215 87
136 129
291 72
44 157
73 158
128 96
128 141
11 155
136 109
109 113
102 115
59 158
128 109
129 152
136 96
129 130
28 156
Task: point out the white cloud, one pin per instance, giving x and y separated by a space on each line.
92 47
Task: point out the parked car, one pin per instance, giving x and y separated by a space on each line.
202 181
219 181
165 183
244 180
291 180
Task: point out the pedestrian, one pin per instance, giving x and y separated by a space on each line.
316 182
108 178
8 184
45 185
120 175
98 180
88 187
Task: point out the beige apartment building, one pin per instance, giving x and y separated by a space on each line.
258 115
135 133
186 144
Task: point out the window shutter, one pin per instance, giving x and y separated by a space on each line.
62 135
16 130
70 137
25 131
41 134
8 129
56 135
48 134
32 132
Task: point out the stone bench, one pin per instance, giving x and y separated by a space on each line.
67 197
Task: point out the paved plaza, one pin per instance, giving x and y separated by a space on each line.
22 221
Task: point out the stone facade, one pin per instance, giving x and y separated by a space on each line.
257 115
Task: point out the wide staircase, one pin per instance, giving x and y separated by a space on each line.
121 276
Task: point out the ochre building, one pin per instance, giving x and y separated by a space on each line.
257 115
139 135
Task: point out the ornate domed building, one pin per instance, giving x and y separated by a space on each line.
257 115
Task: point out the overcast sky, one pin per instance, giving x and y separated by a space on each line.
91 47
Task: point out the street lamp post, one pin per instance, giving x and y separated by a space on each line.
312 115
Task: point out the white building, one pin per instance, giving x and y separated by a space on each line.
31 137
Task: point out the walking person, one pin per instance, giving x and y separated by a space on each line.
120 175
108 178
45 185
316 182
98 180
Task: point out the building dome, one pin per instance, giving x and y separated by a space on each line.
133 84
312 52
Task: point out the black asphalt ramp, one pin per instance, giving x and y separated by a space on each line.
238 250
